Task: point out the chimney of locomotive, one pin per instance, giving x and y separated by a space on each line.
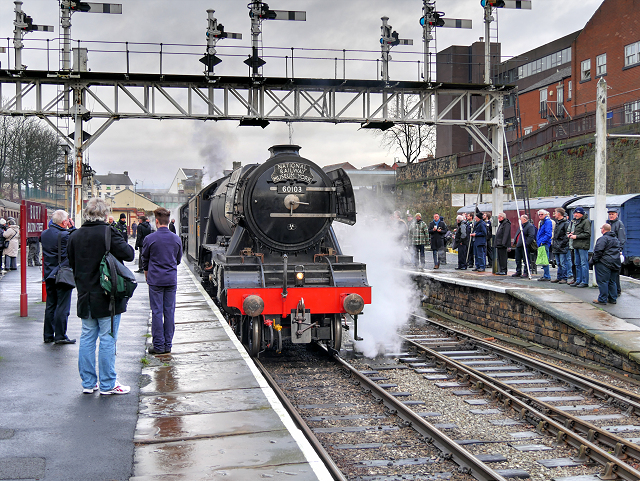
284 149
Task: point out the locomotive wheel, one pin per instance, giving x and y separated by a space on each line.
336 332
253 339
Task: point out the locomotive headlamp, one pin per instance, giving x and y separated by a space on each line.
353 304
299 276
253 305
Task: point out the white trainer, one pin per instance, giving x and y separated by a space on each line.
90 390
117 389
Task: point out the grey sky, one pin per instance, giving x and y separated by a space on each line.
153 150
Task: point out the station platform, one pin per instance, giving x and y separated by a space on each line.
557 316
201 412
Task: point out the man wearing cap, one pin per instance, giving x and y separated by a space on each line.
480 242
121 226
579 241
617 228
606 264
418 235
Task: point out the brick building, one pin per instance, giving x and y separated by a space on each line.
557 81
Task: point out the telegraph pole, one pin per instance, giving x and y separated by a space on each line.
600 187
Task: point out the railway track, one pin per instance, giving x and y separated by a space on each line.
382 419
576 410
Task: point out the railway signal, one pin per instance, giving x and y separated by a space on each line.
389 38
431 19
23 24
259 11
90 7
495 133
215 33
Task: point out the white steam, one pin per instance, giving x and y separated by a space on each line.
375 241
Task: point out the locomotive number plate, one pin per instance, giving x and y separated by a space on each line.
291 189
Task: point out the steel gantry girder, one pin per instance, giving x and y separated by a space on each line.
112 96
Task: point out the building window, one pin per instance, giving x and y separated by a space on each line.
545 63
632 112
601 65
569 88
585 70
528 130
543 103
631 54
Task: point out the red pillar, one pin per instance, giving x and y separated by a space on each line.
44 286
23 259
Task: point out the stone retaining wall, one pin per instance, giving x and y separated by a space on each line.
504 313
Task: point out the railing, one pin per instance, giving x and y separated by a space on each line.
562 129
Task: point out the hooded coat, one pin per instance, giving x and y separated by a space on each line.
12 233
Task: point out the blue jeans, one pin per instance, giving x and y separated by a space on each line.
92 329
419 259
481 255
545 269
582 265
162 300
436 259
564 265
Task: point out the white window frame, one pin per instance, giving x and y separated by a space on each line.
601 65
632 112
543 102
585 70
560 100
631 54
569 89
528 130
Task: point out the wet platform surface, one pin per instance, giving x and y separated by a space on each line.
615 325
206 412
203 412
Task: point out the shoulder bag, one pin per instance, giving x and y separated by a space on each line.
5 242
64 276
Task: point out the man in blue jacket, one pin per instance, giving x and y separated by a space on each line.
161 254
58 305
545 233
480 242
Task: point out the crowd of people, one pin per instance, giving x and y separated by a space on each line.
82 250
558 240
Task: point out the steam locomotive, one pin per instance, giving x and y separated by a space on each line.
262 242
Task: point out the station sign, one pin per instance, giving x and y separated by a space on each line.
36 218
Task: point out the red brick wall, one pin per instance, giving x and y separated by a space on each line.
615 24
530 104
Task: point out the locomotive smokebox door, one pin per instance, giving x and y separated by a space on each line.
301 327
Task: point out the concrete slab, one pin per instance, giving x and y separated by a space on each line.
200 459
203 402
199 378
548 295
194 426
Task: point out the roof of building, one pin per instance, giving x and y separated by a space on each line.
551 79
381 166
192 172
113 179
343 165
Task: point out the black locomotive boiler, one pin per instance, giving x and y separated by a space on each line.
262 241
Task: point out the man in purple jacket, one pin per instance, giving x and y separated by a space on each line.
161 254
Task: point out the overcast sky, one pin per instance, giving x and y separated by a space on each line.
151 151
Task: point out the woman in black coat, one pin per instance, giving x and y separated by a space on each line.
86 249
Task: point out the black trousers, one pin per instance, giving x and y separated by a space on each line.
502 259
56 311
462 256
520 260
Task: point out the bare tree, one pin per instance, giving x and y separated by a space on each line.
411 140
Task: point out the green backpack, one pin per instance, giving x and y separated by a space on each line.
116 279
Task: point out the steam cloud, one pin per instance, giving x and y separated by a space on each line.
374 241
